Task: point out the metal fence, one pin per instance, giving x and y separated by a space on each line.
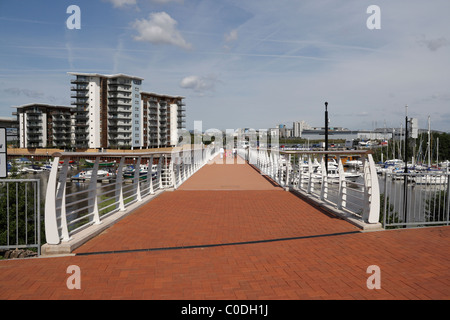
415 199
354 192
20 218
68 211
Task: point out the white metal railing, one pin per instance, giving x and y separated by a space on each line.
415 199
68 211
20 218
355 192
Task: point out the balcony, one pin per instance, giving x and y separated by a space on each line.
119 103
34 112
34 118
119 88
34 139
61 138
119 131
81 124
34 132
80 102
79 88
60 120
34 124
79 80
79 95
59 130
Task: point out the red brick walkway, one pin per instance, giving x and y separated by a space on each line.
238 240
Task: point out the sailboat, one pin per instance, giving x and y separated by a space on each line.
434 176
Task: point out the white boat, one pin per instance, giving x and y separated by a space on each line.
333 174
445 164
143 172
47 167
394 163
87 175
431 179
354 163
32 169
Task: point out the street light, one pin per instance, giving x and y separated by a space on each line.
326 137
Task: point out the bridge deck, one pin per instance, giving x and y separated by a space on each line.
229 233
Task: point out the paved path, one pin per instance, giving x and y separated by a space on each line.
228 233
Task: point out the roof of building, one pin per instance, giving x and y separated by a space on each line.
118 75
161 95
42 105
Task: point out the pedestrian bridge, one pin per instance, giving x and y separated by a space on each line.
258 226
73 217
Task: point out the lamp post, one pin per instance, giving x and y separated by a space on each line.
405 181
326 137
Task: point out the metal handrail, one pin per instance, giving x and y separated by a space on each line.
173 169
284 167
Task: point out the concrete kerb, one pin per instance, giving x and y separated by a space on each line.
66 248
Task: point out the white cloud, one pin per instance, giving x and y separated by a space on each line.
433 44
199 83
121 3
232 36
160 28
166 1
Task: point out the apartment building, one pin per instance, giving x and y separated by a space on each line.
163 116
44 126
107 110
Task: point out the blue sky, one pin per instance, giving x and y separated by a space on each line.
240 63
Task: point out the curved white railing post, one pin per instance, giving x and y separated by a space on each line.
191 163
288 164
119 184
160 171
310 182
62 195
137 176
373 192
51 221
150 172
342 192
93 201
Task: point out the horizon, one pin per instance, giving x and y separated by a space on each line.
240 64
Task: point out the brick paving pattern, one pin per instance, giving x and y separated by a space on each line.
228 233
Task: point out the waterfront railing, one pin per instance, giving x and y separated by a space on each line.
68 212
415 199
20 214
355 194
